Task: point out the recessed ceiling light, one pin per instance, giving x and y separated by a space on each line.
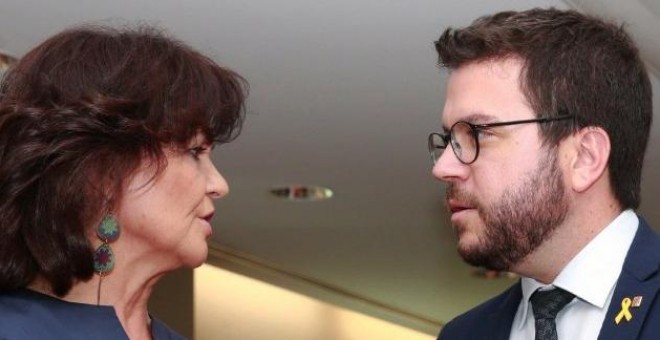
302 192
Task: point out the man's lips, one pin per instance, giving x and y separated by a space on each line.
457 206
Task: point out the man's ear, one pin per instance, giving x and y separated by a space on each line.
590 157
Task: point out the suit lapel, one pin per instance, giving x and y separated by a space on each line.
500 321
637 279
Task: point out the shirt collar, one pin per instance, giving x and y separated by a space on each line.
592 274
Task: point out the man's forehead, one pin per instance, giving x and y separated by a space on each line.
484 92
504 66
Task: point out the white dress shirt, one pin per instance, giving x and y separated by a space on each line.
591 276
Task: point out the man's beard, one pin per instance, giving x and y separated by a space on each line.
522 218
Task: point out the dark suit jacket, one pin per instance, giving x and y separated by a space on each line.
640 276
27 315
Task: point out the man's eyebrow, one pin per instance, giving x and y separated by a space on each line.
473 118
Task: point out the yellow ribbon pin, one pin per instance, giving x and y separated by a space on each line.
625 311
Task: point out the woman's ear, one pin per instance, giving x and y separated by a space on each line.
591 156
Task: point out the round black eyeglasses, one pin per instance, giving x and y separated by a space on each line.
464 138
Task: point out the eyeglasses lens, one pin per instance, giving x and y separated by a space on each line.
463 142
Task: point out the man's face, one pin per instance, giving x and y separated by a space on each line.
506 203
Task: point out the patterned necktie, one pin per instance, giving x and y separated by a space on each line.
546 304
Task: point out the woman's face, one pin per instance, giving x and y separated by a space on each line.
169 217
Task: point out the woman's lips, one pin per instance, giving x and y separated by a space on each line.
208 217
207 221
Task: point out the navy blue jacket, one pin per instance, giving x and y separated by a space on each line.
26 314
640 276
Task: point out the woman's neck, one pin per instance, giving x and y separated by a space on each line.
127 291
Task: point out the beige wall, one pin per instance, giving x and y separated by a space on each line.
231 306
172 301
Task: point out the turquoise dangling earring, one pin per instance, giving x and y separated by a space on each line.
104 259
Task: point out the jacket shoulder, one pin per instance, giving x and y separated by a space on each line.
474 324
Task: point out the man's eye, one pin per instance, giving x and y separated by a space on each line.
483 133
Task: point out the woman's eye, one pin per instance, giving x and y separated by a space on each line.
197 151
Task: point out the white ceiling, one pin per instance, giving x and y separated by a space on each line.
343 94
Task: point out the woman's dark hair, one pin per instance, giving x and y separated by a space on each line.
575 64
79 114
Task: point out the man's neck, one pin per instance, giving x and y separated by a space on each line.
577 230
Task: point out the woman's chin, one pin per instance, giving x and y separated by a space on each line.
197 260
